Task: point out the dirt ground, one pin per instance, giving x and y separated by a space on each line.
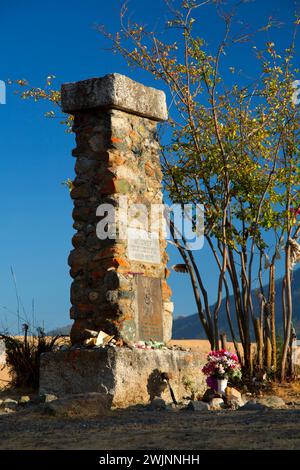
154 430
139 428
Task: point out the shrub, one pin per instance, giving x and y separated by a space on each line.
23 356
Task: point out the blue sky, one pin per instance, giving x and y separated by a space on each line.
59 38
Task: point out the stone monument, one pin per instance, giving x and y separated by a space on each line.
120 280
119 285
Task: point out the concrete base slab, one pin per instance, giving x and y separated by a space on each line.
130 376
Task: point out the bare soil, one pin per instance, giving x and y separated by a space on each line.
142 429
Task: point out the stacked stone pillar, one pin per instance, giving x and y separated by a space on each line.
119 285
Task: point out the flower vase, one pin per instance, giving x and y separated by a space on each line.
222 384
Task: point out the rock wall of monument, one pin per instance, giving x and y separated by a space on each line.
117 155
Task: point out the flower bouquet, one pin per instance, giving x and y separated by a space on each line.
221 366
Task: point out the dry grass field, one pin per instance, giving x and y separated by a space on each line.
4 377
201 345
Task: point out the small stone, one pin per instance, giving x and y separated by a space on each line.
47 398
195 405
9 410
233 398
10 404
158 404
235 404
231 393
209 395
253 405
93 296
24 400
217 404
272 401
83 191
97 142
267 402
172 407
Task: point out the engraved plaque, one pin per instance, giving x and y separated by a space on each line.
143 246
149 304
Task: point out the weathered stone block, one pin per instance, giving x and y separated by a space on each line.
129 376
114 91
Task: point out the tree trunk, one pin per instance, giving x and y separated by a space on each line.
223 339
289 312
259 336
267 337
272 316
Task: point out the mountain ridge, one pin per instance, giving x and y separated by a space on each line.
189 327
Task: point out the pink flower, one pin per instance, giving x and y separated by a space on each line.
220 363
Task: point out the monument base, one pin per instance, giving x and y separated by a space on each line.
130 376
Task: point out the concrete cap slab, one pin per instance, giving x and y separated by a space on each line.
117 92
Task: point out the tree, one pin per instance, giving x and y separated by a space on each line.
235 149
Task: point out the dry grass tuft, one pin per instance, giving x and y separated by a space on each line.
23 357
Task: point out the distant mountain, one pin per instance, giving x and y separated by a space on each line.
62 330
190 327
